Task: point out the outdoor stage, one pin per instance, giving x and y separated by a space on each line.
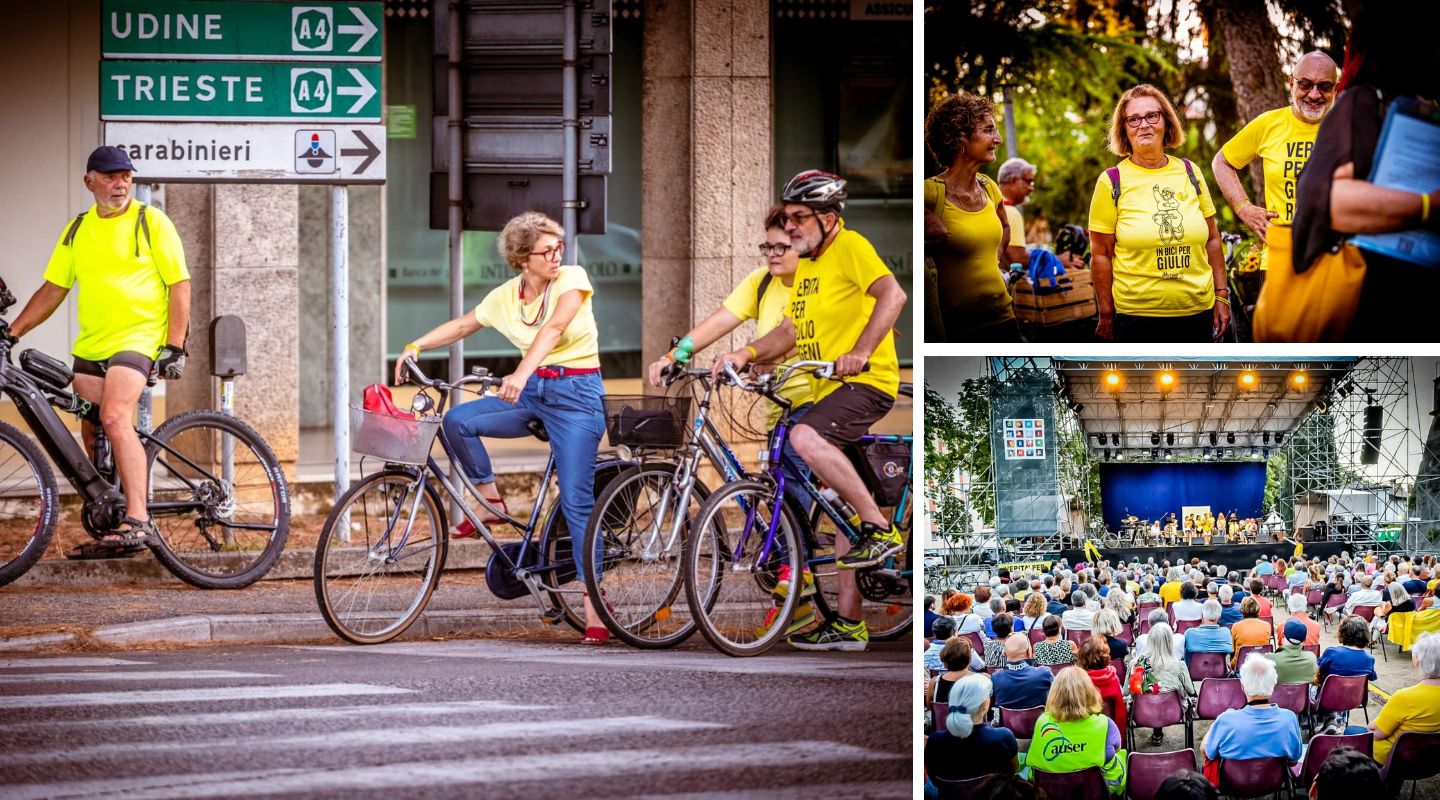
1234 556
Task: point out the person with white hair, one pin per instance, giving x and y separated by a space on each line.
1079 618
1414 708
1156 616
1017 180
1368 595
1260 729
1229 609
1119 601
964 746
1209 637
1295 603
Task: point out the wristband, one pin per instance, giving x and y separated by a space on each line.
1223 299
754 354
412 346
670 356
1242 205
1424 209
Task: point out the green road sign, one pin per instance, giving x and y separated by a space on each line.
214 30
240 91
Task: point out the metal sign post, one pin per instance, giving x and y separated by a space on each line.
340 338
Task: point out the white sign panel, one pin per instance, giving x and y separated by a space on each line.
261 153
1024 439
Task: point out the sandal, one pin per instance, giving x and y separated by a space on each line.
135 534
595 635
466 530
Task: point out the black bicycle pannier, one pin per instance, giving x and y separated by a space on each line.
50 371
889 464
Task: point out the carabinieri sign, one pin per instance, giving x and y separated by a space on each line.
216 30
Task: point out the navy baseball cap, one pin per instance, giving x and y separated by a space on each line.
108 159
1295 631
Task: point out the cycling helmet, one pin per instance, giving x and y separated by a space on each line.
1073 239
816 189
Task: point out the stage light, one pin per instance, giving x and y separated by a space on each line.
1107 454
1279 437
1113 380
1115 439
1100 438
1170 439
1266 437
1165 379
1214 438
1155 453
1266 453
1167 454
1078 408
1254 453
1155 438
1249 380
1120 455
1206 453
1299 380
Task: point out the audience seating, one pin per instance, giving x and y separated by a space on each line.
1055 668
957 789
1294 696
1184 625
1253 777
1339 693
1037 635
1319 748
1143 610
1335 601
1415 757
1118 664
1248 649
1109 709
1087 784
1079 637
1159 710
1209 665
977 643
1312 648
1021 721
1217 695
939 711
1149 770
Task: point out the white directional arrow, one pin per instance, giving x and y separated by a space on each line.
365 30
364 90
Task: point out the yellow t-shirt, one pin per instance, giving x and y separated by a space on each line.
1170 592
578 346
1017 225
767 315
830 308
967 263
1160 268
1283 142
1414 708
124 299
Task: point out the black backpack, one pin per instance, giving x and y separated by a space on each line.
141 225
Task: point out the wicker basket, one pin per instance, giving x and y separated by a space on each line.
653 421
398 440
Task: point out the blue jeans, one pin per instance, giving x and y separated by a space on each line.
574 417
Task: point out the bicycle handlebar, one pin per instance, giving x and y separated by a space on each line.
482 377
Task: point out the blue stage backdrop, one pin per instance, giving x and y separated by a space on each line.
1150 491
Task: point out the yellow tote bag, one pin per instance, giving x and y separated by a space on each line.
1316 306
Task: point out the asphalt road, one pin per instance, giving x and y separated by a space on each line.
460 718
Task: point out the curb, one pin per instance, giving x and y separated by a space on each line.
279 628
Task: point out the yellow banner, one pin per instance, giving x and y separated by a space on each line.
1021 566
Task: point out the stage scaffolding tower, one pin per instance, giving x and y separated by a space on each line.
1350 465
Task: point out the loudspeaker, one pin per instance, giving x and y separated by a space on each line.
1370 447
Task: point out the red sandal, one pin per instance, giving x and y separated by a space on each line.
466 530
598 635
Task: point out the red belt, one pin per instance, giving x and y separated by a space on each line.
565 372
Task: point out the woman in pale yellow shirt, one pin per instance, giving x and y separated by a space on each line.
965 224
544 311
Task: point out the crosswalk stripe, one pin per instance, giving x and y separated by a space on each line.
375 711
429 735
66 661
778 662
157 675
194 695
409 777
887 790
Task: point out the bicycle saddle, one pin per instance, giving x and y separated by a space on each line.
537 429
907 388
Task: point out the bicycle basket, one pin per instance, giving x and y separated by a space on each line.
398 440
646 420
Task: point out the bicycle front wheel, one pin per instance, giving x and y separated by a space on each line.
732 567
379 557
218 498
636 537
29 505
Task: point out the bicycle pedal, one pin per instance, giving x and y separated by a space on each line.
553 617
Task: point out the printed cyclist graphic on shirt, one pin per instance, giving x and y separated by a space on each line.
1168 219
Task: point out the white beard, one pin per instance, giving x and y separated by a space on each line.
1308 117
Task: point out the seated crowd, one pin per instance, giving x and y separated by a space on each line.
1070 651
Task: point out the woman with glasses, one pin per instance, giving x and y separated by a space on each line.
544 311
1156 261
966 228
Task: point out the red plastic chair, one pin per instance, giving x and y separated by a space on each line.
1037 635
1312 648
1319 749
1055 668
1118 664
956 789
1184 625
1217 695
1313 597
1341 693
1148 770
1160 710
1079 637
1127 632
1294 696
1253 777
1415 757
1365 612
977 643
1209 665
1143 610
1243 652
939 711
1020 721
1087 784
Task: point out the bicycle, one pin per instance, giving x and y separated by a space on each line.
222 521
636 534
384 544
1245 280
749 533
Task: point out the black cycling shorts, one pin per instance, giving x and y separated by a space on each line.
847 413
125 358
